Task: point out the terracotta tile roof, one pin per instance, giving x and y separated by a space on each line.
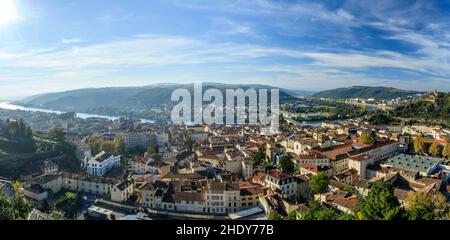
279 175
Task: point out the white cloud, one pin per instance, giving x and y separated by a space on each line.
154 50
225 26
71 40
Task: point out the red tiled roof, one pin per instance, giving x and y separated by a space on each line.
279 175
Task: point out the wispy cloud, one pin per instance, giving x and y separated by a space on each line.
71 40
147 51
225 26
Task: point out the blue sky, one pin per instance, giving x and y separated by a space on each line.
54 45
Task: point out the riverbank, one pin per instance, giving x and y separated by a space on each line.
10 106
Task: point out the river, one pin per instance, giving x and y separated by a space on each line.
9 106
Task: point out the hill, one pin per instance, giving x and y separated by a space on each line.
124 101
432 109
298 93
364 92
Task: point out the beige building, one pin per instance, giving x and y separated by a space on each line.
222 198
250 194
122 192
299 145
139 165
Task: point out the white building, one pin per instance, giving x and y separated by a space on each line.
139 165
102 163
99 186
281 181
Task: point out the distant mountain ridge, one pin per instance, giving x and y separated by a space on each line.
123 101
298 93
364 92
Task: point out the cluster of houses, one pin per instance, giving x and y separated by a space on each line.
225 171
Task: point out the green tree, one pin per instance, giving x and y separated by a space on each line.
291 216
381 204
318 212
152 149
274 216
366 139
380 118
57 134
259 157
319 183
188 142
68 160
287 165
20 208
346 217
268 166
55 217
5 207
16 208
446 151
434 149
194 146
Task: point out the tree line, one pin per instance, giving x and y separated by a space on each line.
434 149
18 137
98 145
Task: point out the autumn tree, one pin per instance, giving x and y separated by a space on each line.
424 206
446 151
107 146
419 206
419 146
119 146
366 139
94 145
15 208
434 149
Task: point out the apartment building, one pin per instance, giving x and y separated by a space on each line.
282 182
139 165
138 139
122 191
222 197
102 163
